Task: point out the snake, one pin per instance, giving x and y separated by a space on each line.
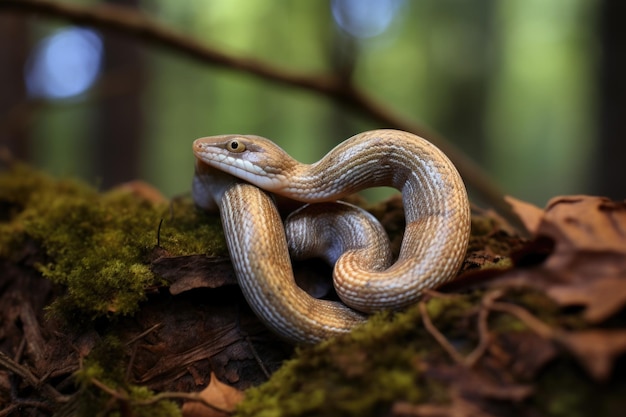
237 173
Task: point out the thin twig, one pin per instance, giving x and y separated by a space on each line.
20 350
23 372
188 396
158 244
130 22
258 359
131 362
10 365
7 411
121 396
144 333
484 336
40 405
439 337
133 354
104 387
136 24
527 318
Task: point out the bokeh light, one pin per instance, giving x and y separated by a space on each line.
64 64
365 18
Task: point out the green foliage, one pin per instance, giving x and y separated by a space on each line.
96 245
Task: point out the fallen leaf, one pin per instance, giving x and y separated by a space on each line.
602 297
586 265
589 223
596 350
529 214
223 399
194 271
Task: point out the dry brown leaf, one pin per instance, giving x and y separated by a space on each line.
529 214
586 223
194 271
596 350
587 265
185 273
589 256
602 297
223 399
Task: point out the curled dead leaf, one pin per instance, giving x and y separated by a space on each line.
219 400
602 297
587 264
529 214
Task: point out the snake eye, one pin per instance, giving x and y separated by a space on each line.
235 146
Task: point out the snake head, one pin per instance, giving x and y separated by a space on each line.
252 158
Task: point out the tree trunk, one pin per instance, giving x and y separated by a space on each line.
121 126
610 178
14 132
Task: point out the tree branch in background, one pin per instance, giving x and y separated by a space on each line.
138 25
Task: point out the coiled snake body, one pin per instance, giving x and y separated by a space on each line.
434 244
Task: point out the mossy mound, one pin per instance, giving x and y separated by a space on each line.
97 245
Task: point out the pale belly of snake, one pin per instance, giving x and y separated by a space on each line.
433 248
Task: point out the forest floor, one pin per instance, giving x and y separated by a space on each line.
123 303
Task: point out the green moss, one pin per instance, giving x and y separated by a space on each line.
487 234
97 245
187 230
359 374
383 361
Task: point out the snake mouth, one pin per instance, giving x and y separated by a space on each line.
235 166
242 169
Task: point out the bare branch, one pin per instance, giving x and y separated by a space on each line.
136 24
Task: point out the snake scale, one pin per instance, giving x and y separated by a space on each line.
235 172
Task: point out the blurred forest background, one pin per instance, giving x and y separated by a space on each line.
532 90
